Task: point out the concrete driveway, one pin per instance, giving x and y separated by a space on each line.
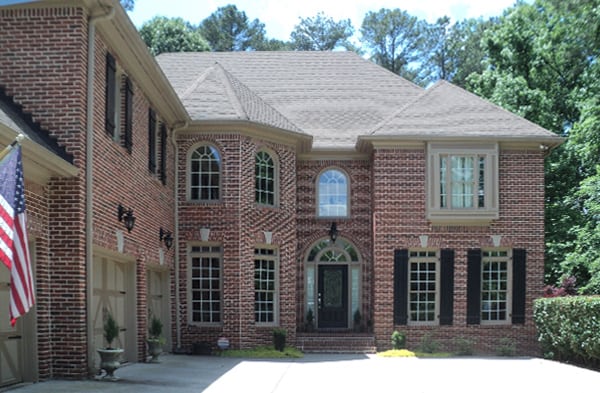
335 373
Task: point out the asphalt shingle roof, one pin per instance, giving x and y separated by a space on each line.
333 96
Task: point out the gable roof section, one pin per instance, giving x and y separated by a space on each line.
446 111
332 96
218 95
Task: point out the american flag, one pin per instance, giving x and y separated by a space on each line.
14 250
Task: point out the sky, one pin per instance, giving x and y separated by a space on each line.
280 16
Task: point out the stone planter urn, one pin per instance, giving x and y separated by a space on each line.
155 348
110 360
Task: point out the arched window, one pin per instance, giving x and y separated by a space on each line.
332 190
265 179
205 174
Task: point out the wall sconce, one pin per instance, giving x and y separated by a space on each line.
167 237
126 215
333 232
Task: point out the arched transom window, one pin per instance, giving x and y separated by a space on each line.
205 174
333 194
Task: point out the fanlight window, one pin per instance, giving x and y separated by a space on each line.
341 252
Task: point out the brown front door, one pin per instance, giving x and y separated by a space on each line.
333 296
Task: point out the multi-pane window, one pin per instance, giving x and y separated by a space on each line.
462 181
206 284
205 174
423 287
495 286
264 179
265 285
333 194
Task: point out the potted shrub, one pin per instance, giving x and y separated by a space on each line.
155 339
110 358
279 336
310 327
357 320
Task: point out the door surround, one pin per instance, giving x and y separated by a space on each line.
324 252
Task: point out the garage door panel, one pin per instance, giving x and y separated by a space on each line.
111 295
10 337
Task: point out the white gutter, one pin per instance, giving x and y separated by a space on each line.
89 171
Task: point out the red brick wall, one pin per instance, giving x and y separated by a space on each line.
43 65
399 218
237 223
356 228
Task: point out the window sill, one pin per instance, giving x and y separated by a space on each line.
462 217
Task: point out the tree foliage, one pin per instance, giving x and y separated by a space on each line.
162 34
229 29
321 33
128 4
396 40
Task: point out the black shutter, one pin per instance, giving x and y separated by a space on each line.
163 154
473 286
151 141
128 115
446 286
519 285
400 287
109 113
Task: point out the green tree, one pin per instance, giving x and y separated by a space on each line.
396 40
128 4
538 61
229 29
163 34
321 33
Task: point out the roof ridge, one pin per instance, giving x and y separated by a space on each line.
422 96
197 82
234 99
232 90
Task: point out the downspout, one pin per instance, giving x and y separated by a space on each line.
89 171
176 236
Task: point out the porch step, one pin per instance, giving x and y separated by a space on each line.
320 342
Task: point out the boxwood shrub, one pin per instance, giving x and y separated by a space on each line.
568 328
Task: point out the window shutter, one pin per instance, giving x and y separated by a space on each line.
446 286
128 114
473 286
109 112
519 280
151 141
400 287
163 154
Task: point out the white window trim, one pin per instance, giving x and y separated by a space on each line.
276 301
509 290
317 193
275 179
190 306
188 187
462 216
438 281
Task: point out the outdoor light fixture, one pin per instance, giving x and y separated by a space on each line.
333 232
166 236
126 215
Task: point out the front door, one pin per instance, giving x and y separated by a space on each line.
333 296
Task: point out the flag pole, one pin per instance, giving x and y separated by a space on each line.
8 148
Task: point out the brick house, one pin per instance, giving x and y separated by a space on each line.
291 183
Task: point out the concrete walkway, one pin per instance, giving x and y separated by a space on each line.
335 373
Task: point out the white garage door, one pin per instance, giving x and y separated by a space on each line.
158 299
114 293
